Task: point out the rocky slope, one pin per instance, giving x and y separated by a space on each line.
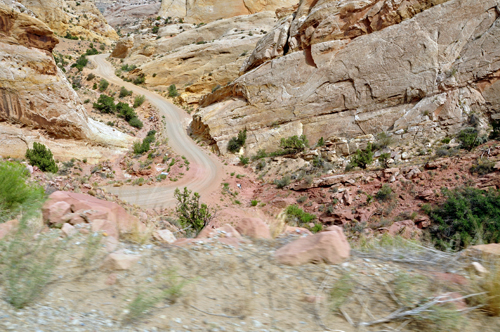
419 70
195 58
127 15
197 11
79 18
35 93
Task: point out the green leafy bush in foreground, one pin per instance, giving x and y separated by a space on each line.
468 216
295 212
41 157
16 194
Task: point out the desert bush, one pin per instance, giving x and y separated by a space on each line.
27 264
483 166
362 158
105 104
90 77
103 85
254 202
141 148
280 184
125 111
139 100
16 193
41 157
192 214
385 193
80 63
260 165
260 155
124 92
383 141
91 51
169 287
135 122
244 160
139 79
235 143
468 138
128 67
294 143
302 199
321 142
468 216
155 29
294 212
383 159
340 291
172 91
495 133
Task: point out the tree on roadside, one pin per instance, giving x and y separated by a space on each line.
191 213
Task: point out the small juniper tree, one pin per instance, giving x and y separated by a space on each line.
41 157
191 213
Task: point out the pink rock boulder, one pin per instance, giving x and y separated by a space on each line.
120 261
253 227
165 236
7 227
109 228
329 247
54 211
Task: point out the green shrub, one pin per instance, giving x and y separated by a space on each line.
103 85
260 154
135 122
139 79
384 158
191 213
91 51
280 184
172 91
128 67
383 141
244 160
155 29
16 194
321 142
295 212
41 157
90 77
446 140
124 92
141 148
254 202
483 166
70 36
80 63
362 158
139 100
125 111
468 216
294 143
385 193
105 104
495 133
236 143
469 138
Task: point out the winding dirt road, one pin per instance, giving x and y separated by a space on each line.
208 173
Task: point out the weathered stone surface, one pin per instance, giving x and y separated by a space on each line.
270 46
253 227
329 247
202 58
68 230
33 90
109 228
164 235
54 212
120 262
80 18
198 11
117 216
7 227
123 47
420 67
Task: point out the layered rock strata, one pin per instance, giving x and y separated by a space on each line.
417 69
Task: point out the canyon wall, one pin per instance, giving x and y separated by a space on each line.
197 11
416 69
34 93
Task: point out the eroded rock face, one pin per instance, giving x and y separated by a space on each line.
33 91
123 47
196 11
202 58
417 71
80 18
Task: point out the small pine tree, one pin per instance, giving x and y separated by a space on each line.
41 157
172 91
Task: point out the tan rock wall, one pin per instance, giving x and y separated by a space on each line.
197 11
418 77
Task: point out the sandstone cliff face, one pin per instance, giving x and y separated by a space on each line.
416 69
33 91
80 18
201 58
196 11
